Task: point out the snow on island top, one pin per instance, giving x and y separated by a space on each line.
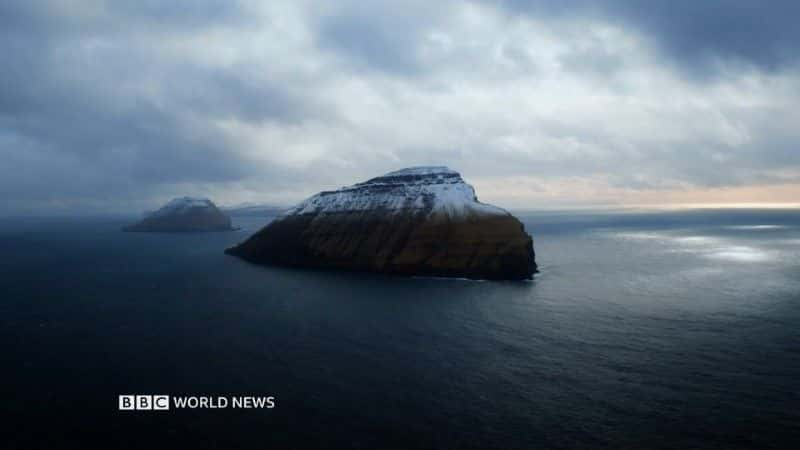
182 204
435 189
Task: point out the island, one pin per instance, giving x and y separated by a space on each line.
184 214
420 221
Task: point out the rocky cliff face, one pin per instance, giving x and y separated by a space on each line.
418 221
184 214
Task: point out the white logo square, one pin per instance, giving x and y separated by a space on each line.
161 402
144 402
127 402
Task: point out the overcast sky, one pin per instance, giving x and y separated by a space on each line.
115 106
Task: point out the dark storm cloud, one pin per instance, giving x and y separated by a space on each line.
385 36
697 34
700 36
232 93
53 17
88 103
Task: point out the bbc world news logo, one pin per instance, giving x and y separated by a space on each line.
167 402
143 402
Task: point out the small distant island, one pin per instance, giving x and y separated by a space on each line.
423 221
184 214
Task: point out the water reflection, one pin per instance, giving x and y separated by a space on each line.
713 247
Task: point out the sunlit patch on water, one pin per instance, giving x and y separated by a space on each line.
697 240
711 247
756 227
720 249
638 236
741 253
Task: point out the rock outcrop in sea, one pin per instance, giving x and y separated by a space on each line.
423 221
184 214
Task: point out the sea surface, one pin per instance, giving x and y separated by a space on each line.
676 329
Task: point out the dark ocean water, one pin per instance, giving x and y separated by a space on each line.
643 330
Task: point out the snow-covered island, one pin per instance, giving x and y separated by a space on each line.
417 221
184 214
